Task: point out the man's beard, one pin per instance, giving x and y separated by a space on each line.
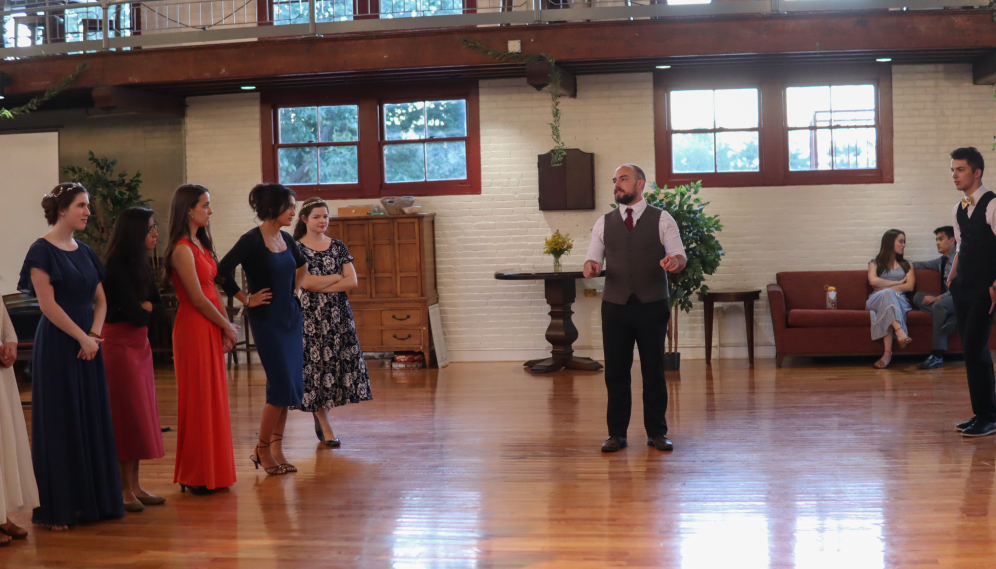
627 199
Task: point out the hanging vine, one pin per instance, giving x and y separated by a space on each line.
559 150
33 104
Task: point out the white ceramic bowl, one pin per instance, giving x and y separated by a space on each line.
411 209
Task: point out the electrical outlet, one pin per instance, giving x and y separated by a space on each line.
515 46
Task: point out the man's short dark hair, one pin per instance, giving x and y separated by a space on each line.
972 156
947 230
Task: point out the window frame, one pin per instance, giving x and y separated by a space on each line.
370 159
773 156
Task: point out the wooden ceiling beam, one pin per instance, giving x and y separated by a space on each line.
917 34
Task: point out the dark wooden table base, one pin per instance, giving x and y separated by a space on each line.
561 292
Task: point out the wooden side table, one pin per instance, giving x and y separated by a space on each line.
748 297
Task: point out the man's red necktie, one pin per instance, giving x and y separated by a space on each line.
629 218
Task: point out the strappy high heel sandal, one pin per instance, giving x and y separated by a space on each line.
882 365
320 433
280 436
273 470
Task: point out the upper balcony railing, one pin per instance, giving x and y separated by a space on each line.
49 27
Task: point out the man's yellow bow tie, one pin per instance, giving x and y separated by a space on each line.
967 202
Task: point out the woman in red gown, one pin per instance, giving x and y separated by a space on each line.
202 335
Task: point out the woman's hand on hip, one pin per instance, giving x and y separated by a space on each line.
260 297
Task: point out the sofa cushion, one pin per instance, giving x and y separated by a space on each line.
807 318
807 289
804 318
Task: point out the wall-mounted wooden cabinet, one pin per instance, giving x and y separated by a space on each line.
395 261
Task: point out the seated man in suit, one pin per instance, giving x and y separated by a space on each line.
940 308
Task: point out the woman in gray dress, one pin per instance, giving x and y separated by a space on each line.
892 277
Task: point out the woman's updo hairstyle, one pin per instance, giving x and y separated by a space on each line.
59 200
270 200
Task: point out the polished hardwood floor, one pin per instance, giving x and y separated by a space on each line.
483 465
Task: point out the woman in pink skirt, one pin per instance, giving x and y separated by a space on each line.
132 302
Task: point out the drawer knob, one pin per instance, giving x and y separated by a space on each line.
408 337
395 316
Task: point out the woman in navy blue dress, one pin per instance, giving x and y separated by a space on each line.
274 269
75 459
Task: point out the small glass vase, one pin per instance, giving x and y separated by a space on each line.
557 267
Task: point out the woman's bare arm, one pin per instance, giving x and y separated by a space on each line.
99 310
348 281
316 283
183 263
51 309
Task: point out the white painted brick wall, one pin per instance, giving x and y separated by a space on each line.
767 230
223 149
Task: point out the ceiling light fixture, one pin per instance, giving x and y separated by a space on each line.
884 59
663 67
248 87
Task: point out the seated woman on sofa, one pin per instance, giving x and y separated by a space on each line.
891 277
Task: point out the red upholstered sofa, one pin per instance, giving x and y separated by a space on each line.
803 326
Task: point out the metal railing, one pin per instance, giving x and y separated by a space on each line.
49 27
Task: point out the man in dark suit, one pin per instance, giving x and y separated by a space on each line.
940 307
639 244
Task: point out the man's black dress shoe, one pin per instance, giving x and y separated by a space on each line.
614 444
965 424
932 362
660 442
980 428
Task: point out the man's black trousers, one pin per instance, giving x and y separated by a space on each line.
974 325
646 326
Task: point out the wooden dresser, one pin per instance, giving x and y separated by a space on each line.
395 261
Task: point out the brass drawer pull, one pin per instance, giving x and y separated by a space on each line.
408 337
395 316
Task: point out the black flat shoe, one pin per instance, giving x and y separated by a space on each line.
614 444
965 424
979 428
660 442
197 490
932 362
320 433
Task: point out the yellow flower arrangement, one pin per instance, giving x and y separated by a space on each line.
558 245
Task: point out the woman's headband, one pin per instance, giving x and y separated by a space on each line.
63 188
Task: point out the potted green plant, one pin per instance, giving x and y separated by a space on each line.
109 196
702 249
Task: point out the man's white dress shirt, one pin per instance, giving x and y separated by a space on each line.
668 228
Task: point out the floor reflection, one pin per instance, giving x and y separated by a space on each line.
711 541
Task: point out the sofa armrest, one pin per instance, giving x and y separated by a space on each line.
776 301
779 320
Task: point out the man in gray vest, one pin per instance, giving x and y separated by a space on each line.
639 244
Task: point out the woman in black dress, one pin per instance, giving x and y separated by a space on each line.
334 371
76 464
132 303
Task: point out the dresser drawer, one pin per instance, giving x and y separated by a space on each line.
406 317
403 338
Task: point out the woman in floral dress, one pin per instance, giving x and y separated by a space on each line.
334 371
